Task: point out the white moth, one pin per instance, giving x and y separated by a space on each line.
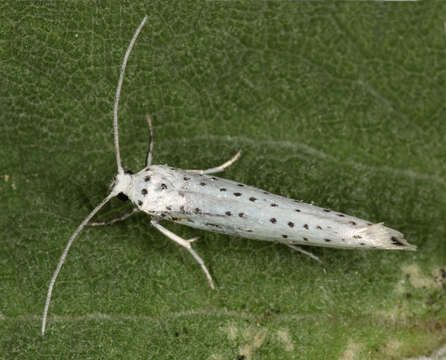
193 198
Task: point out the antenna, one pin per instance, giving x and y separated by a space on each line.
150 150
118 93
109 196
64 255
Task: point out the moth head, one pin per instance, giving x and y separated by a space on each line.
121 185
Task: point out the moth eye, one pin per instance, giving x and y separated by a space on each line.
123 197
129 172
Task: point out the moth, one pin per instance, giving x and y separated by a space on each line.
198 199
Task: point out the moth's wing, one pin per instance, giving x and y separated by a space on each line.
234 208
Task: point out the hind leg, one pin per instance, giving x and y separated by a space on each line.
299 249
218 168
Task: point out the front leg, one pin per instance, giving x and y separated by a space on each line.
116 219
186 244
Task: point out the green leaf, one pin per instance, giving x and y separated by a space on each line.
336 103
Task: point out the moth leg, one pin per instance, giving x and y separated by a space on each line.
218 168
203 267
150 150
121 217
299 249
186 244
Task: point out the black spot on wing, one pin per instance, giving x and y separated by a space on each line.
213 225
